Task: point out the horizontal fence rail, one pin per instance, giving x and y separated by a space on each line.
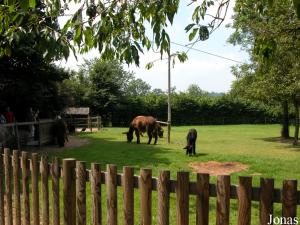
19 169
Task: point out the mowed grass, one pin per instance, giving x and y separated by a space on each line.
254 145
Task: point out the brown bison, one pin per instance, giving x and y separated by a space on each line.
142 124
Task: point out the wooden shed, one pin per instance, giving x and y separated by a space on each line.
77 112
78 118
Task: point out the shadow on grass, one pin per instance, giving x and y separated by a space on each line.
287 141
113 151
197 155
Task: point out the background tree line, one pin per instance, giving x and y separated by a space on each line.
118 96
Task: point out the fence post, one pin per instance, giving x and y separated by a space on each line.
89 123
128 195
163 192
182 196
17 135
55 172
223 200
266 200
202 199
81 193
244 192
69 190
145 186
111 187
2 222
98 123
35 188
25 181
7 171
39 133
289 199
16 174
96 193
45 189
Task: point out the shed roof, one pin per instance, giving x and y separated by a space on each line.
77 111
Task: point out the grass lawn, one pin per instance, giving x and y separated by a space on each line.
249 144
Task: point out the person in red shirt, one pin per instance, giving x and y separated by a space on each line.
9 116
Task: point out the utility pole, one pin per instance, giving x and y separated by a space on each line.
169 97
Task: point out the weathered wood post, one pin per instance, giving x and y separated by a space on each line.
81 193
223 200
111 185
55 172
202 199
289 199
25 181
145 186
2 222
16 175
8 193
35 188
244 192
45 189
266 200
96 193
163 192
182 198
69 190
128 195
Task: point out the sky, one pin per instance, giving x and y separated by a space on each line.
210 73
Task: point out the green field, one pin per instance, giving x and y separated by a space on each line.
255 145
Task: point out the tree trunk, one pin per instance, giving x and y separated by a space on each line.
296 105
285 120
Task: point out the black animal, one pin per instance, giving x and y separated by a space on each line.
60 131
191 142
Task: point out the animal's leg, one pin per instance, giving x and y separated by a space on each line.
155 138
137 134
150 137
194 148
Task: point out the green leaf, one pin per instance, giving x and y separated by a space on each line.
188 27
182 56
32 3
24 5
7 51
195 16
149 65
193 34
135 55
203 33
88 37
78 36
138 46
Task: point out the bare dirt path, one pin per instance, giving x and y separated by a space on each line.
218 168
73 142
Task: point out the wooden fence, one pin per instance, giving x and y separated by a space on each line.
44 134
89 122
16 173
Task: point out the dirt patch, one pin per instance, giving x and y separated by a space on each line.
73 142
218 168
